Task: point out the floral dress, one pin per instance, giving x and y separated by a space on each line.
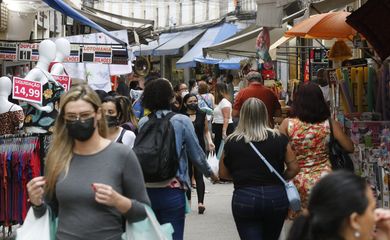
310 144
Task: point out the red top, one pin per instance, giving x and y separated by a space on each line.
257 90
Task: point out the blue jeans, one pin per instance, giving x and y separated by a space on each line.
259 211
169 206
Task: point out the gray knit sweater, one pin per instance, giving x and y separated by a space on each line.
79 215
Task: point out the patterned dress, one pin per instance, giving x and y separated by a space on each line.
310 144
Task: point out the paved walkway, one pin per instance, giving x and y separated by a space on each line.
217 222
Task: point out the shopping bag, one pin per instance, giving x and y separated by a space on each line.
213 161
147 229
35 228
220 150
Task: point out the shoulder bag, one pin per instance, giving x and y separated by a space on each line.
338 157
292 192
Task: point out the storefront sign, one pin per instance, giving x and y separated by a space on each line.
27 90
28 52
74 56
97 54
65 81
8 51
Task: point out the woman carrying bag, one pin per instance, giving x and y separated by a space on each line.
259 202
90 182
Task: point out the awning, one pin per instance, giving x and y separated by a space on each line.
325 6
242 44
144 50
232 63
172 46
212 36
62 7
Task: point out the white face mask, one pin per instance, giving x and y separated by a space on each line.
184 93
195 90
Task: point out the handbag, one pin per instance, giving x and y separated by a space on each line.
338 157
33 228
147 229
292 192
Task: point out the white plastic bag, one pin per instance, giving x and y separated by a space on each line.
213 161
34 228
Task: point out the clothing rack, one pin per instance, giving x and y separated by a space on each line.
21 159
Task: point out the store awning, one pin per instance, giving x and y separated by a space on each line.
144 50
212 36
325 6
67 10
232 63
242 44
172 46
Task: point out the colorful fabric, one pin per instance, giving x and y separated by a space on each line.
45 120
310 144
10 121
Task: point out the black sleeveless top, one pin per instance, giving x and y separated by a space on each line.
199 127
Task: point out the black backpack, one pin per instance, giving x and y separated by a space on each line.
155 147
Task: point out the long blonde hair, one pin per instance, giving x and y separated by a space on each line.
61 148
253 124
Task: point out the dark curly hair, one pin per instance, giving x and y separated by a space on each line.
309 104
158 95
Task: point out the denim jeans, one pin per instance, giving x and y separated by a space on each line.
169 206
259 211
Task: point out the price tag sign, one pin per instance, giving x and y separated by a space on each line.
27 90
65 81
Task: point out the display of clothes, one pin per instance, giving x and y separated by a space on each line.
21 159
10 121
45 120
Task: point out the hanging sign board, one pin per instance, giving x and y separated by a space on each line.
97 54
27 90
28 52
120 55
64 80
8 51
74 56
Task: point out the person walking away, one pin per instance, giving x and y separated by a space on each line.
168 196
342 206
256 89
259 202
115 115
199 120
222 120
90 182
309 137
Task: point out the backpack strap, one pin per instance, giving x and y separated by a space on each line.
120 138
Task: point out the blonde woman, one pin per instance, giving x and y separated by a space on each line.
259 203
90 181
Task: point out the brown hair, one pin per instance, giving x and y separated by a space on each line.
203 87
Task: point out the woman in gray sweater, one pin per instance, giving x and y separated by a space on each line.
90 182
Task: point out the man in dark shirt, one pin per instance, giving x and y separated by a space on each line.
256 89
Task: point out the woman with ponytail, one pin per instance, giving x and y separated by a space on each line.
342 207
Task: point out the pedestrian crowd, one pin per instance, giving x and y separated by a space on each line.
112 155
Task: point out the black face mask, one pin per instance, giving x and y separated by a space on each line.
192 106
81 130
112 121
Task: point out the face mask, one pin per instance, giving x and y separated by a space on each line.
81 131
112 121
195 90
192 106
184 93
